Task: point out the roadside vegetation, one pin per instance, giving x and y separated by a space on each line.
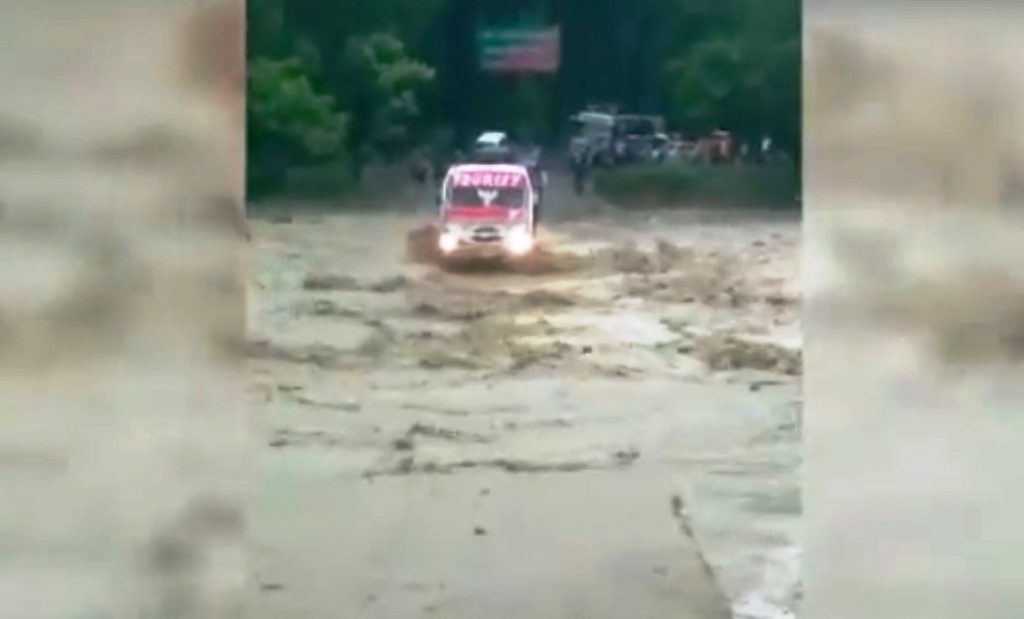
339 84
676 184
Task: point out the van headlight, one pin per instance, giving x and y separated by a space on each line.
449 239
519 241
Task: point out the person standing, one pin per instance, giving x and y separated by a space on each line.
437 168
420 167
580 163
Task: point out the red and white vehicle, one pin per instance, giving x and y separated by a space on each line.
487 211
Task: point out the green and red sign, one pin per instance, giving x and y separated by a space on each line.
520 50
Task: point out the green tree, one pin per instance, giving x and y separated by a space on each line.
383 87
745 78
702 63
288 120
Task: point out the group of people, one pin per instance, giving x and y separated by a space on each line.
720 147
717 148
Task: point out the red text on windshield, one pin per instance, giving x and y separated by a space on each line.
488 179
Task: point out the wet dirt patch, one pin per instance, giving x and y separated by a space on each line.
409 466
788 430
461 308
442 359
464 303
547 298
705 288
345 283
682 514
547 261
750 468
329 281
387 285
589 329
459 412
344 406
537 424
525 356
710 279
421 245
319 355
723 352
446 434
489 342
378 345
629 258
779 501
292 437
348 343
327 307
422 330
714 279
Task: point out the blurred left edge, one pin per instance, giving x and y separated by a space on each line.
124 455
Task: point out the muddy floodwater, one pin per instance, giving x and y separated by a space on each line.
613 433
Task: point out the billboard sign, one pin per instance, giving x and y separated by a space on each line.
520 50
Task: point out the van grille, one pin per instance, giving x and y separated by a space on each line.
486 234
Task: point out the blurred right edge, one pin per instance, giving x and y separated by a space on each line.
914 144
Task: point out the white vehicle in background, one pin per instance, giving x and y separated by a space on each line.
487 211
594 133
492 140
494 147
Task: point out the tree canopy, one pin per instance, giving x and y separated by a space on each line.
330 78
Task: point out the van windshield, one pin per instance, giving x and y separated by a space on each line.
508 197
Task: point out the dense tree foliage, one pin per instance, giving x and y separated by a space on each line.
745 78
349 77
288 121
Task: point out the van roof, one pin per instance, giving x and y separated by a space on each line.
506 168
